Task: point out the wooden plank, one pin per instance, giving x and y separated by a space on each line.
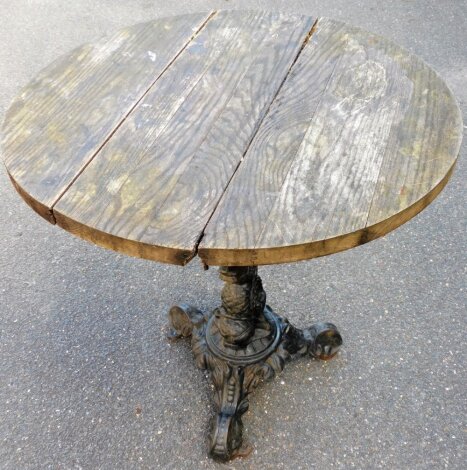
159 178
423 145
59 121
317 200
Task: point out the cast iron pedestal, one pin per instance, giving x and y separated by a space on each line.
242 343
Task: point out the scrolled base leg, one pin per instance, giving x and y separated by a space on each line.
182 320
321 340
227 427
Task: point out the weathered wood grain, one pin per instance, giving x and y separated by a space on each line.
423 144
59 121
317 200
199 188
247 138
308 250
159 178
329 188
247 203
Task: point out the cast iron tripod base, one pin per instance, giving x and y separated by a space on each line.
242 343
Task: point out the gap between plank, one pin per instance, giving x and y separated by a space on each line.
209 129
188 42
201 236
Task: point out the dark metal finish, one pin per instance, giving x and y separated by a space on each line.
242 343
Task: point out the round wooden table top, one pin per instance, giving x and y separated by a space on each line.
243 137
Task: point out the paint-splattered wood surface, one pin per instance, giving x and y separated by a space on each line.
246 138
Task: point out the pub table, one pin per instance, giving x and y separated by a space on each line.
245 138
